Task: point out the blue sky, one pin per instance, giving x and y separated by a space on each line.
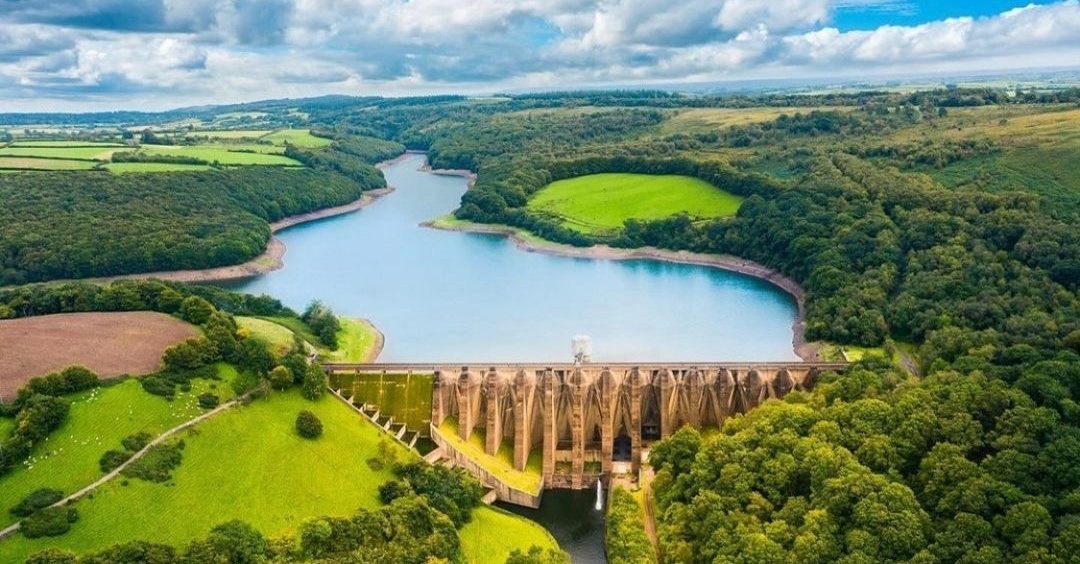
154 54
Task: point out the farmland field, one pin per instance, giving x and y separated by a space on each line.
76 153
231 133
298 137
122 168
31 163
76 143
603 202
68 459
247 463
221 155
110 344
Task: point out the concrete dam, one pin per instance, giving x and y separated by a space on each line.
568 425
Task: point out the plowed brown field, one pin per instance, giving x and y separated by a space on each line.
110 344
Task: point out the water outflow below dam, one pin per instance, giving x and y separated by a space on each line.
451 296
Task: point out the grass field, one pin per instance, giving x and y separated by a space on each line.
247 463
356 341
278 337
110 344
702 120
298 137
603 202
31 143
231 133
73 153
31 163
68 459
502 464
221 155
123 168
406 397
511 532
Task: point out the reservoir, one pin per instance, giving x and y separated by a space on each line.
450 296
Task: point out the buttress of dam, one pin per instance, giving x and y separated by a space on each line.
585 418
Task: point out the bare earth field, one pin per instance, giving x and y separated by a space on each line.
110 344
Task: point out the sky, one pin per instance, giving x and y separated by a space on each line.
78 55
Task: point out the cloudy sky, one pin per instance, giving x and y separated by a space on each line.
156 54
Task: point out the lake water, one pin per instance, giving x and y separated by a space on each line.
449 296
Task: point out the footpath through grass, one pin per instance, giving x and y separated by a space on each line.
247 463
68 459
603 202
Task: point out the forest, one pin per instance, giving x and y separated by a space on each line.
942 220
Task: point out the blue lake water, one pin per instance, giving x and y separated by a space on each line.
448 296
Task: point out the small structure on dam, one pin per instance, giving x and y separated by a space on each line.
584 419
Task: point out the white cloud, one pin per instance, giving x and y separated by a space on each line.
180 51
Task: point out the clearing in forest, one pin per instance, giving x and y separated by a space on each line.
603 202
110 344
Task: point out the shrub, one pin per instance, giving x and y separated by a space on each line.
537 555
38 499
112 459
53 556
280 378
158 386
158 462
137 441
40 416
49 522
389 491
208 400
308 425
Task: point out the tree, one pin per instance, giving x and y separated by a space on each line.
196 310
49 522
280 378
314 383
537 555
308 425
235 542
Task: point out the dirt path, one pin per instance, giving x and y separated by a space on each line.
10 530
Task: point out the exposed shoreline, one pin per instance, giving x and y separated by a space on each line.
528 242
270 260
377 344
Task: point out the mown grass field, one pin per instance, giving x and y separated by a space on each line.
502 464
298 137
277 337
223 155
493 534
406 397
124 168
246 463
54 152
68 459
603 202
32 163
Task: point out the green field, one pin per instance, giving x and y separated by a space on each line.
502 464
276 336
511 532
31 163
75 153
123 168
30 143
220 154
68 459
356 341
247 463
230 133
298 137
406 397
603 202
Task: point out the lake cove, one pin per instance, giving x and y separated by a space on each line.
451 296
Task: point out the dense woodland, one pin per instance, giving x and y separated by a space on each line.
974 460
56 225
906 220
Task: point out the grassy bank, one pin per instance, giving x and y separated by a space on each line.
502 464
603 202
493 534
